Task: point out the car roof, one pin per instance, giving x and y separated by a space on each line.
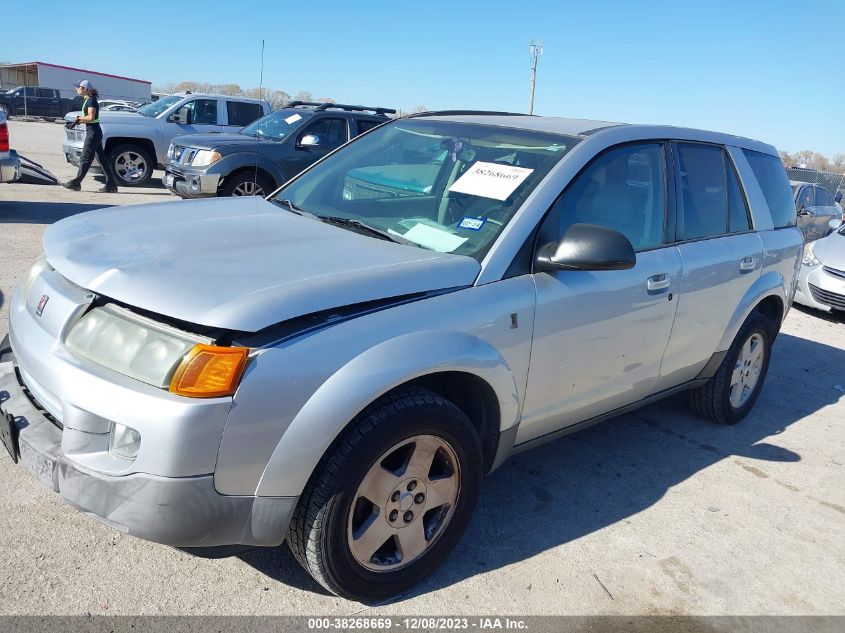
216 96
589 127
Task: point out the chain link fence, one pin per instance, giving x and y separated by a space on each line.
831 181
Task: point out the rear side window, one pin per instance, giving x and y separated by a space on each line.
823 198
739 211
241 114
364 125
703 199
771 175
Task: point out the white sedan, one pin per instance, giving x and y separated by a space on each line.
821 282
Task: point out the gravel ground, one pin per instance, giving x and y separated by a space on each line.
652 513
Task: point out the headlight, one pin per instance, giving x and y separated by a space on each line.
157 354
131 345
38 267
205 157
170 151
809 258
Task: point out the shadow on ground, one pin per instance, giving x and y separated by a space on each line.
559 492
836 316
14 212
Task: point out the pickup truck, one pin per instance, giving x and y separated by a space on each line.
136 143
33 101
10 164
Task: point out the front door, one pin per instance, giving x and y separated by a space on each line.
325 135
599 336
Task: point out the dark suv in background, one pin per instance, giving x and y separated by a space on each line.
266 153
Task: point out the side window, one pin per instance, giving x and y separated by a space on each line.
44 93
702 192
623 189
330 132
241 114
806 198
823 198
739 210
364 125
30 91
204 111
771 175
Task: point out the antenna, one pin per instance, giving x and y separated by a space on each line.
257 140
536 49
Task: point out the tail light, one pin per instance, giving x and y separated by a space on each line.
4 138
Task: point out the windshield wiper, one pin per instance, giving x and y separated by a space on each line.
357 224
293 208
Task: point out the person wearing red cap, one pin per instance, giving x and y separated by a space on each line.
93 139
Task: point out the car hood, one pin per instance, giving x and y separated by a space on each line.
216 141
113 117
239 263
830 250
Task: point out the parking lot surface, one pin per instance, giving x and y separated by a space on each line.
655 512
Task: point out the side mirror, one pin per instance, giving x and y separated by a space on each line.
182 116
309 140
834 223
587 247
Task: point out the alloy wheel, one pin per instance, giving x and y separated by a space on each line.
130 166
404 503
746 373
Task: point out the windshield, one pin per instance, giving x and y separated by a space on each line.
448 187
157 107
276 125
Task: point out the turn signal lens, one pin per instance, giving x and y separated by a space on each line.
208 371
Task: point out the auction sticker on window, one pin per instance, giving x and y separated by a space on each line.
490 180
293 118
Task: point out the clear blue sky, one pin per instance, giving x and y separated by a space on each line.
771 70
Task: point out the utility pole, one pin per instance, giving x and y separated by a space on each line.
536 49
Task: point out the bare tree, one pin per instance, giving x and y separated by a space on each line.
420 108
304 96
231 90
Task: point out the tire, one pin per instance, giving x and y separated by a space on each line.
732 391
131 165
247 183
336 531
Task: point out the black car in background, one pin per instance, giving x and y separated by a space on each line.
266 153
34 101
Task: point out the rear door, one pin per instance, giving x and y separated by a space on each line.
721 257
599 336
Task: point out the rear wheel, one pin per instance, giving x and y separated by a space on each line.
732 391
391 499
131 165
247 184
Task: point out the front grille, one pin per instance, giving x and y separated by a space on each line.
834 272
828 298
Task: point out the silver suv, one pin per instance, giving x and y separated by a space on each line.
136 143
341 363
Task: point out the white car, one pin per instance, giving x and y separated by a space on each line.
821 282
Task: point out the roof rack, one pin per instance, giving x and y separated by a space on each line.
318 105
459 112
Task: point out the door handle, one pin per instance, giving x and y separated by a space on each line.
747 264
658 282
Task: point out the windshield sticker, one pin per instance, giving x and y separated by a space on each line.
293 118
490 180
432 238
473 224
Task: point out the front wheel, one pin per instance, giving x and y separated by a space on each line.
247 184
732 391
131 165
391 499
